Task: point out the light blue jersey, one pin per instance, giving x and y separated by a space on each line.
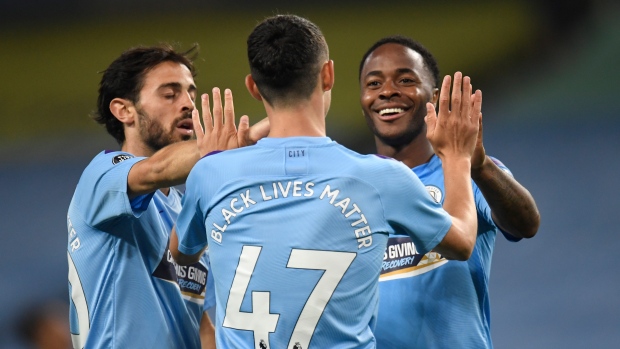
126 290
296 229
429 302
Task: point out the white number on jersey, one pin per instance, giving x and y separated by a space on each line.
260 320
81 307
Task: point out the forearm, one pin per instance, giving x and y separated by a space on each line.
178 256
168 167
207 332
459 202
512 206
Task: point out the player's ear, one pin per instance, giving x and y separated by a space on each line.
123 110
252 88
327 75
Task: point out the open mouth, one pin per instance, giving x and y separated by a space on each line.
391 113
186 126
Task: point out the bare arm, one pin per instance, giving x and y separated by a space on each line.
453 136
171 165
512 206
167 167
182 258
207 332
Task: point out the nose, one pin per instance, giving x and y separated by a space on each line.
187 102
389 90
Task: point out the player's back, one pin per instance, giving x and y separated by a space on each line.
296 229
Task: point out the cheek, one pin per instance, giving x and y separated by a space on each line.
422 94
366 99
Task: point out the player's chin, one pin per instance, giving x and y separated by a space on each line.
391 135
183 134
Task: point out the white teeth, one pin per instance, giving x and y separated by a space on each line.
391 111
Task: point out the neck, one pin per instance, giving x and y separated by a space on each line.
303 119
412 154
137 148
140 149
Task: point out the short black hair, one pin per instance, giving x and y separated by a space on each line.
124 78
285 53
429 60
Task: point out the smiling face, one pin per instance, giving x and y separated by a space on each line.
164 110
395 87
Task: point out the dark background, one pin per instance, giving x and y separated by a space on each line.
549 75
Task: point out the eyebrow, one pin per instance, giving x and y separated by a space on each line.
380 73
405 71
177 86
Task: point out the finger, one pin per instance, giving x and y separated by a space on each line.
198 131
217 109
258 131
466 105
477 109
207 119
444 96
456 92
229 110
430 119
243 134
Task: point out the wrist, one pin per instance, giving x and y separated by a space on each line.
481 171
457 163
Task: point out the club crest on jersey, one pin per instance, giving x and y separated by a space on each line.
120 158
435 193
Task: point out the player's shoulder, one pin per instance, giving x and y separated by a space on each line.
107 161
222 158
111 158
386 162
379 165
368 159
221 155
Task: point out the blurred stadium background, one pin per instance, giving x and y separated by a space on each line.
548 70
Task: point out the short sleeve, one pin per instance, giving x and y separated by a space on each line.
210 289
102 191
410 210
190 226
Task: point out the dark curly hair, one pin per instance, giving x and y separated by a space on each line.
124 78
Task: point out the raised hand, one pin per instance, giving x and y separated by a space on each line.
454 132
220 131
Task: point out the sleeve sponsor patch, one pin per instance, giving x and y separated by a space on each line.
120 158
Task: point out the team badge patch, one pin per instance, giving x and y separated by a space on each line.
120 158
435 193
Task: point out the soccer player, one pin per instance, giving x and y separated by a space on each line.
297 225
126 290
426 300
